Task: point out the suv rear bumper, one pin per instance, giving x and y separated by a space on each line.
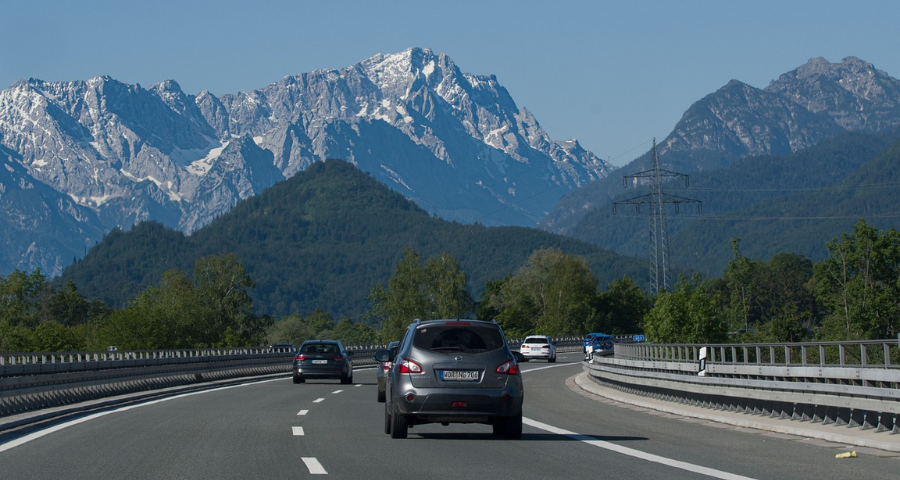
463 406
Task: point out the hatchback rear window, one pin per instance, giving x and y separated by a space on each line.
455 338
320 348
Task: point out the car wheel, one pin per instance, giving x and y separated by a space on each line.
387 420
299 379
399 426
345 379
513 428
381 396
499 425
552 360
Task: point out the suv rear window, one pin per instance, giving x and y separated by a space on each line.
536 340
457 338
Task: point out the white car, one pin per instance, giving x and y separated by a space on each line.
538 346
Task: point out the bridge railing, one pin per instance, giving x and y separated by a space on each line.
32 381
843 383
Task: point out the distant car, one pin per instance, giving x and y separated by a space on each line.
383 367
538 346
587 341
453 371
322 359
599 345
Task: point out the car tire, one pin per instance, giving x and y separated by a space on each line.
299 380
498 425
399 425
387 420
552 360
513 428
345 379
381 395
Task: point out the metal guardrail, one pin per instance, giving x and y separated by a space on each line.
856 383
41 380
35 381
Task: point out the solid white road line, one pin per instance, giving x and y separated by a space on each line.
298 431
634 453
549 366
315 468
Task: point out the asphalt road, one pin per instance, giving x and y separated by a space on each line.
275 429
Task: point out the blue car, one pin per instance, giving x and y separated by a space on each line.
587 341
599 344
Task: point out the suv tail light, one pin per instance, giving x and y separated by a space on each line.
300 357
509 367
408 366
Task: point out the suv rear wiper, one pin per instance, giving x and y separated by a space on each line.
458 348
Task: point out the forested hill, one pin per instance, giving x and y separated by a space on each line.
320 240
792 203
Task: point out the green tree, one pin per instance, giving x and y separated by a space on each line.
858 285
212 309
687 314
445 282
551 294
620 309
431 291
222 289
350 332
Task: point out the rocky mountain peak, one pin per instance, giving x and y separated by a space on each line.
454 142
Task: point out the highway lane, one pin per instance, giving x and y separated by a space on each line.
276 429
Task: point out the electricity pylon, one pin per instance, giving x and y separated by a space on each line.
657 199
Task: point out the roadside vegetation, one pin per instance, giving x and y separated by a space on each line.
852 294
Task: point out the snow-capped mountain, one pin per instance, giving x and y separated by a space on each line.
112 154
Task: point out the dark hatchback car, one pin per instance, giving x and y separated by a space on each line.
453 371
322 359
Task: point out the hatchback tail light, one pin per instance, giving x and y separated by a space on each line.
408 366
509 367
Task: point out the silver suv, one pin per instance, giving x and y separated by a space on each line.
453 371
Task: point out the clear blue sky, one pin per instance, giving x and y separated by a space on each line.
613 74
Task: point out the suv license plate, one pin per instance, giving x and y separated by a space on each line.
460 375
320 362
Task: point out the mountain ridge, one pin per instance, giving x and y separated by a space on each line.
454 142
797 110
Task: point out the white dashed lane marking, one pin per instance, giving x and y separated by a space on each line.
303 412
336 392
298 431
319 400
315 468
